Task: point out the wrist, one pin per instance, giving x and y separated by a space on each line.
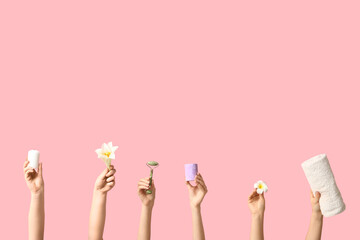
195 207
316 214
37 194
258 215
99 193
147 207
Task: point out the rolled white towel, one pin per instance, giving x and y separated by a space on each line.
321 179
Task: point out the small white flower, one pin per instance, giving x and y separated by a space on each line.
107 153
261 187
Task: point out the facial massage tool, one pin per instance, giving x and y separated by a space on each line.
152 165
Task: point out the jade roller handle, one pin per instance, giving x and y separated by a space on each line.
151 175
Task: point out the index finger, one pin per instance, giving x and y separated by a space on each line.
311 194
26 163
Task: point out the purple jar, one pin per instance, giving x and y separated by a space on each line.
190 171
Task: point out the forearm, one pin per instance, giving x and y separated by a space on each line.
198 228
37 216
315 227
97 216
257 227
145 223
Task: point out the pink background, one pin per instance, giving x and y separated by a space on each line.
248 90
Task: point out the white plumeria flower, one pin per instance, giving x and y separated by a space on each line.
107 153
261 187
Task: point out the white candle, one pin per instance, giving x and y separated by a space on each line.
33 158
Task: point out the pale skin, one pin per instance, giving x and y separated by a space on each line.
256 203
36 219
196 196
147 203
103 184
316 221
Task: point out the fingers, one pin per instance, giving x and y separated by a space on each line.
142 186
201 185
254 196
111 172
254 199
262 196
103 173
317 195
144 183
110 179
107 172
29 172
26 163
311 194
27 168
200 181
110 176
199 178
189 186
111 184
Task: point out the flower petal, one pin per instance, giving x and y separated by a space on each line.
261 187
103 147
265 187
99 152
107 148
112 156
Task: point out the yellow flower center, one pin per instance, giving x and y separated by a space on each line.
107 154
260 186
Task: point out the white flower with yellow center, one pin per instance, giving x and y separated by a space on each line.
261 187
107 153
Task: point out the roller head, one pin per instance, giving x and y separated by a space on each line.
152 164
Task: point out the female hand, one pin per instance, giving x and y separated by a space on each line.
106 180
315 202
198 192
33 179
147 200
256 203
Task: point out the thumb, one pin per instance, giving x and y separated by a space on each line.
103 173
311 194
317 196
262 197
189 186
152 184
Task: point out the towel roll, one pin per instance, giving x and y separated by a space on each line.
33 158
190 171
321 179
